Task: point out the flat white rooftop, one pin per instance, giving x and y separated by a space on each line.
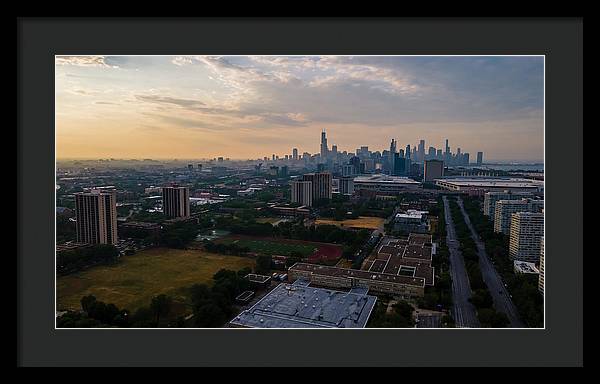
496 182
302 306
385 179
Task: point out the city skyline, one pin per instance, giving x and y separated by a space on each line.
248 107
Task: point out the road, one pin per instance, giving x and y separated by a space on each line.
429 321
463 311
501 296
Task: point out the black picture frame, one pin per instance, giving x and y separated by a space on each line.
559 344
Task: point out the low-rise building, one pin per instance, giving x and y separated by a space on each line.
525 267
412 221
299 305
381 183
489 184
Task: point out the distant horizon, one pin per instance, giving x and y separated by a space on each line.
248 107
491 161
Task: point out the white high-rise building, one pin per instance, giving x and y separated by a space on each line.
526 231
541 268
505 208
490 199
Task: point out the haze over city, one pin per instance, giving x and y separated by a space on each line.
247 107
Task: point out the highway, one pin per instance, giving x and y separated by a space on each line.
463 311
501 296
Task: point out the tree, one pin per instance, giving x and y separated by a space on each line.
209 315
160 306
87 302
263 264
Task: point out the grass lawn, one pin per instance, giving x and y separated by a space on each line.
361 222
273 247
137 278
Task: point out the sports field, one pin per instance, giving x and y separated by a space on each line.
137 278
274 247
361 222
314 252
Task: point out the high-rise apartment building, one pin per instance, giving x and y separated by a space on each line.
433 169
321 184
176 201
506 208
302 192
541 268
490 199
96 214
526 232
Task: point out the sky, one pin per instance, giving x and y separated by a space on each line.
248 107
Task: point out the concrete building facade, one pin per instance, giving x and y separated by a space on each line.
176 201
96 214
302 192
433 169
526 232
505 208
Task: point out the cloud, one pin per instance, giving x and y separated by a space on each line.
106 103
169 100
84 61
182 60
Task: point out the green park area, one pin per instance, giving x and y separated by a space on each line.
133 281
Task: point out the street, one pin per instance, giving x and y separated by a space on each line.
463 311
502 300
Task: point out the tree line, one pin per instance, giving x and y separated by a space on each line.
523 288
481 298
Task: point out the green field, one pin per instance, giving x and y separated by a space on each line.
273 247
137 278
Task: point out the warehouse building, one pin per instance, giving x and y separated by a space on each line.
385 184
299 305
489 184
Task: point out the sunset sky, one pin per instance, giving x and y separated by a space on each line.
193 107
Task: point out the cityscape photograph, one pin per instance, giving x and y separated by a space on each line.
319 192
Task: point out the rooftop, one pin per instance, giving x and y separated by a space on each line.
525 267
359 274
384 179
302 306
496 182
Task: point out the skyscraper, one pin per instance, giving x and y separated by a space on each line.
321 184
433 169
431 153
479 158
391 155
408 151
176 201
324 148
355 162
295 153
421 151
302 192
96 214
